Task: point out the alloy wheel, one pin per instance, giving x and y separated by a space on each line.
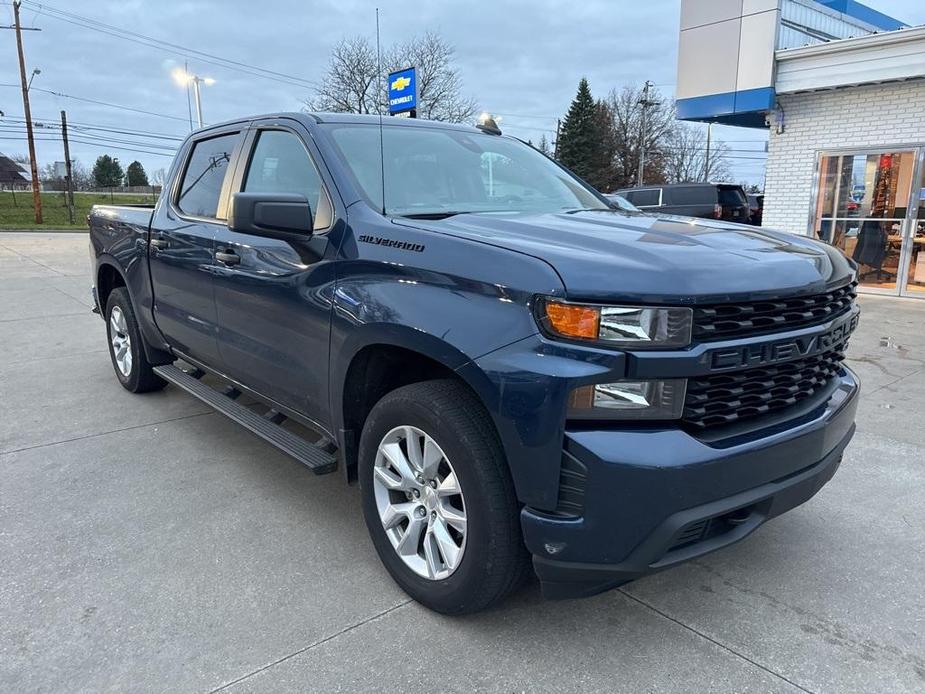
121 342
420 502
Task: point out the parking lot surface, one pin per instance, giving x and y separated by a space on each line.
148 544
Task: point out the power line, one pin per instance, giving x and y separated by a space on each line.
166 46
96 144
47 123
103 103
98 126
137 139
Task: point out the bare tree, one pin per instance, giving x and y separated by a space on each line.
439 84
350 83
684 155
80 177
626 117
158 176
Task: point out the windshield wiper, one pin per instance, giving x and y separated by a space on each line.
592 209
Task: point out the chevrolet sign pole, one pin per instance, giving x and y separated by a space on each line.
403 92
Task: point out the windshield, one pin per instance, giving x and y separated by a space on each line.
438 172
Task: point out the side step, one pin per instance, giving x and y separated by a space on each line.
315 458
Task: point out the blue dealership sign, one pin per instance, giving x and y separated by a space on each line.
403 90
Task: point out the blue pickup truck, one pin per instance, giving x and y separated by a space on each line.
518 374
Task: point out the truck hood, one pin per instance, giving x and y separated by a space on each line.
618 256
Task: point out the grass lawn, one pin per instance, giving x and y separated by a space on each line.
16 209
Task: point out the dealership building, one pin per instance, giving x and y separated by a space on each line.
841 89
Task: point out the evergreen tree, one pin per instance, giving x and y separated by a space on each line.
135 174
543 146
107 172
578 136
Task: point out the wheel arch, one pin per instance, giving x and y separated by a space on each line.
378 360
110 276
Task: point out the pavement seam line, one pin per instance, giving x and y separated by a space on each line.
72 298
55 315
102 350
310 646
106 433
726 648
33 260
893 383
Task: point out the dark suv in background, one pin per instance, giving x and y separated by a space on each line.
725 201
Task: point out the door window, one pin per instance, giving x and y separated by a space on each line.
202 182
281 164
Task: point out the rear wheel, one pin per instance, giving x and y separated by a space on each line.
438 499
126 349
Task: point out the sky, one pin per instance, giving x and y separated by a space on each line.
520 60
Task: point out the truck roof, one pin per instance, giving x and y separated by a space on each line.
364 118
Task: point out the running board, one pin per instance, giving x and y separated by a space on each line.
314 457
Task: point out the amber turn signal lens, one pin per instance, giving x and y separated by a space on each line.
572 320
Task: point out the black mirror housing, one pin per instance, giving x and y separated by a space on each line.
277 215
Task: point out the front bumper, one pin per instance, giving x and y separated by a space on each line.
655 498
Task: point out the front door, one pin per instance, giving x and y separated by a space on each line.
274 297
181 248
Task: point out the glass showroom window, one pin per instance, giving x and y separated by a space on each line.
861 208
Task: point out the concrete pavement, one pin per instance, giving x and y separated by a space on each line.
148 544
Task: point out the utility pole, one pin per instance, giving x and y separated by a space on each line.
36 194
68 181
555 147
706 159
646 105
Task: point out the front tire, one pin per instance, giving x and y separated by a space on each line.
126 348
438 499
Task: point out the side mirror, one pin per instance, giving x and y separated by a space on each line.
276 215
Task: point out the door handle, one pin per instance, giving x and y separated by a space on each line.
227 257
158 243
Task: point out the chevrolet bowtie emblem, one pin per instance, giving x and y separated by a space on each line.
400 83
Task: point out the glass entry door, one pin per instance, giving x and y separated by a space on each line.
863 208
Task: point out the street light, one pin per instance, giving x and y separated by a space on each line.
184 79
35 72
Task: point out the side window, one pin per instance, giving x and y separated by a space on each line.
202 182
644 198
281 164
692 195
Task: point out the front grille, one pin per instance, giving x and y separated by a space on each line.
725 398
722 321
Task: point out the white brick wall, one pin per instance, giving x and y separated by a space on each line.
875 116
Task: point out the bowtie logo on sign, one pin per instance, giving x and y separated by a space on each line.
403 91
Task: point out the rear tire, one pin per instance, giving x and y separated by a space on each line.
126 347
479 525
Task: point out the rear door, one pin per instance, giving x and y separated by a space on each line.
274 299
181 244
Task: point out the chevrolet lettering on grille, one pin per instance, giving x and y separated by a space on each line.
782 350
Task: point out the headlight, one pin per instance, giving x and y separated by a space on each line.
629 400
636 327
